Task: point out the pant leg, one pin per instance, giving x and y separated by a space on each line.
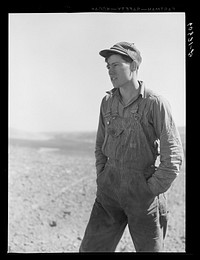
105 228
148 229
146 233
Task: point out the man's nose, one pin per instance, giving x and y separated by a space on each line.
111 71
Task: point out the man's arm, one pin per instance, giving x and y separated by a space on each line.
171 152
100 157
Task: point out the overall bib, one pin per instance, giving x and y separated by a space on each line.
123 195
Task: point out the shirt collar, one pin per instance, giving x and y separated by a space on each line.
115 91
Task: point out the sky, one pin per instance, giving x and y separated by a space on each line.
57 78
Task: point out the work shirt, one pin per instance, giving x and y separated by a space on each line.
136 133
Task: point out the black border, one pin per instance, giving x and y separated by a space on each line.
191 11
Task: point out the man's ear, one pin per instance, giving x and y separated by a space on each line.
133 66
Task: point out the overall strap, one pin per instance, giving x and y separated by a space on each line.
142 102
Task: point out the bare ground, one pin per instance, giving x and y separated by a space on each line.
50 199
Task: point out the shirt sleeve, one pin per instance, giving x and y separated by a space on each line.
100 157
171 151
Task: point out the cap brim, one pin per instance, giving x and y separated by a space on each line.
108 52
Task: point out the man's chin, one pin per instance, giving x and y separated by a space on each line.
115 86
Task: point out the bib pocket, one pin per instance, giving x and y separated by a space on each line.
113 132
113 124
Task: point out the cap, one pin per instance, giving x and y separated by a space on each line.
124 48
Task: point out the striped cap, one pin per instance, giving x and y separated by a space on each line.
124 48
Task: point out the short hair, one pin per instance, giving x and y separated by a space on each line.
124 57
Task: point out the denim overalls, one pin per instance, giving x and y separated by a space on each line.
123 196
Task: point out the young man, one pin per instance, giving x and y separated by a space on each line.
130 188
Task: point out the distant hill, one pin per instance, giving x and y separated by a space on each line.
14 133
71 141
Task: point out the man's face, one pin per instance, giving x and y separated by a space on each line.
119 70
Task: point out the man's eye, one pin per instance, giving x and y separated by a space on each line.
115 65
109 66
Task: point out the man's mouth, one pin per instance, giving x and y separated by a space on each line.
113 78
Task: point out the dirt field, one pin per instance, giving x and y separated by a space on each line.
51 193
